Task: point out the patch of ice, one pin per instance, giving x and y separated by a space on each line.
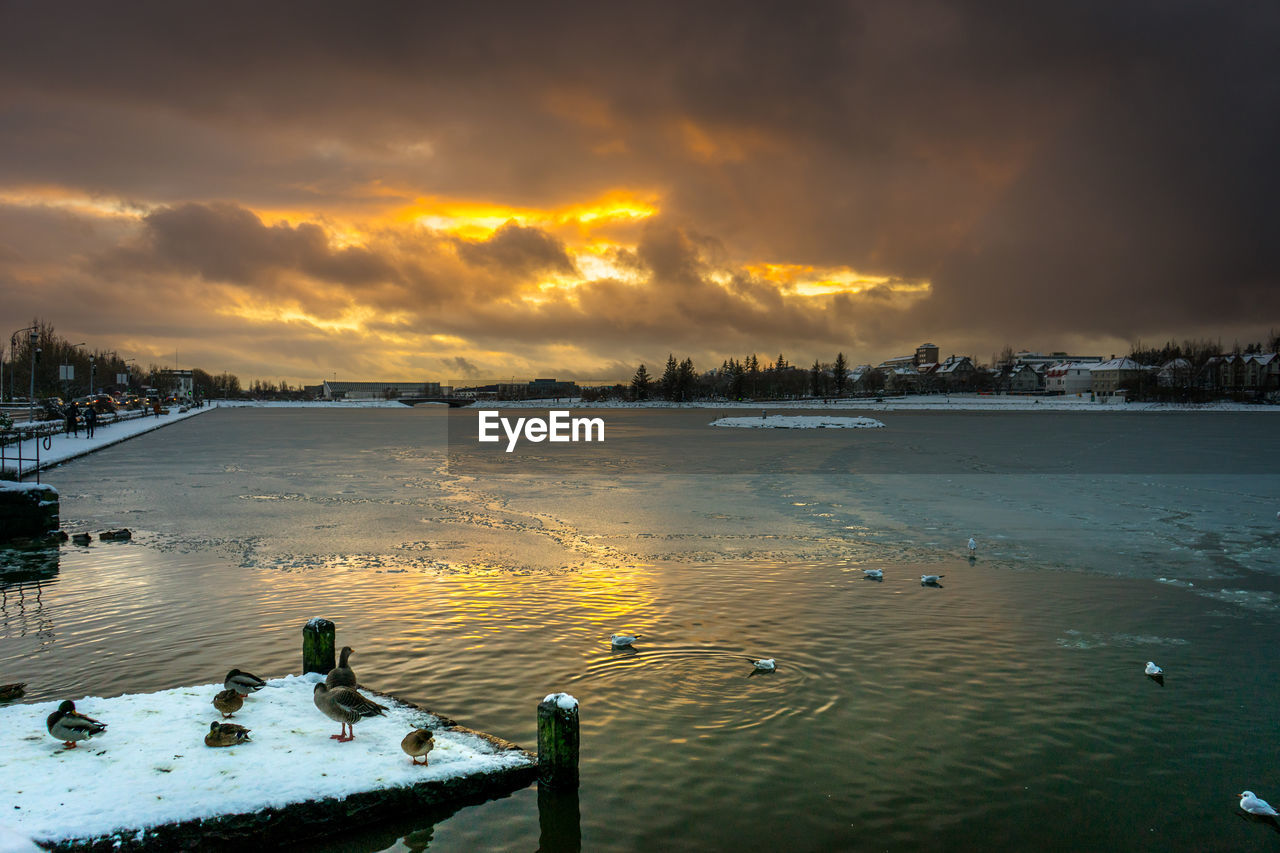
799 422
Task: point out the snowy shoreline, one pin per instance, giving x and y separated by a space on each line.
151 767
798 422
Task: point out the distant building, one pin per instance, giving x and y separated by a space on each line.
1036 359
1109 376
180 383
925 354
1175 373
1243 374
1025 379
333 390
956 372
1069 377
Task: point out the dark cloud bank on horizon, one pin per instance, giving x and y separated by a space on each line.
1102 170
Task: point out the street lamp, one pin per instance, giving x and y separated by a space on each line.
93 366
13 356
31 395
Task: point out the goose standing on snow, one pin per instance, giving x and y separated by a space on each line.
341 675
68 725
243 683
622 641
417 744
226 734
345 705
1252 804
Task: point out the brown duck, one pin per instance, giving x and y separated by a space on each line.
417 744
226 734
228 702
345 705
341 675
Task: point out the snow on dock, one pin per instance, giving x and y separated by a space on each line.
150 779
799 422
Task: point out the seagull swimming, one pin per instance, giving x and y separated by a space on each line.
930 578
973 545
621 641
1250 802
873 574
1153 670
765 665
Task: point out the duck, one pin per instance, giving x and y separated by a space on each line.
120 535
873 574
930 579
1152 669
765 665
69 725
226 734
9 692
228 702
81 538
621 641
417 744
243 683
1251 803
345 705
341 675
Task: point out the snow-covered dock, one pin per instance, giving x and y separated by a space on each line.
149 781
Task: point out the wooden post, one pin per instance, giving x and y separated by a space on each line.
559 820
317 646
558 741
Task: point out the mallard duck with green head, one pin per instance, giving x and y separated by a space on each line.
226 734
69 725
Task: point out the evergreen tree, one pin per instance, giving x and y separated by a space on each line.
670 378
781 362
640 383
737 380
686 378
815 378
841 373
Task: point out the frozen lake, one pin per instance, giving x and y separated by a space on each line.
1006 709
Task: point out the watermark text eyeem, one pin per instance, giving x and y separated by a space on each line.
559 427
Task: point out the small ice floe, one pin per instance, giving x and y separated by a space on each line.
930 580
765 665
798 422
1155 673
622 641
1251 803
873 574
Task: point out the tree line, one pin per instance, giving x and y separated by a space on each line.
745 378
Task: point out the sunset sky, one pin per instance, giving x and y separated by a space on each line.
424 191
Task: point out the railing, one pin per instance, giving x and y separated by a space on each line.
12 455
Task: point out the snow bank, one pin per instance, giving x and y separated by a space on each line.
311 404
799 422
563 701
151 766
11 486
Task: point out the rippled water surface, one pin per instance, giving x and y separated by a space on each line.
1003 709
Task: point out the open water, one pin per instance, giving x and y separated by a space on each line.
1005 709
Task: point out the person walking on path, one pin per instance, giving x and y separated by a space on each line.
72 420
90 421
155 406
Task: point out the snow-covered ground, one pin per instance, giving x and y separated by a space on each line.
798 422
151 766
925 402
314 404
63 447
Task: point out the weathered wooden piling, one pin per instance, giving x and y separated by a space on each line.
558 741
559 820
317 646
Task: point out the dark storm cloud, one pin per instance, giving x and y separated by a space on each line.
1058 172
518 250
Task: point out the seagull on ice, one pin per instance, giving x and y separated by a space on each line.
873 574
622 641
973 545
765 665
928 579
1250 803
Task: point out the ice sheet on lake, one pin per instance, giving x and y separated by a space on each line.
799 422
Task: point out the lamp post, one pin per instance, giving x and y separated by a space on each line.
93 366
31 395
13 356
